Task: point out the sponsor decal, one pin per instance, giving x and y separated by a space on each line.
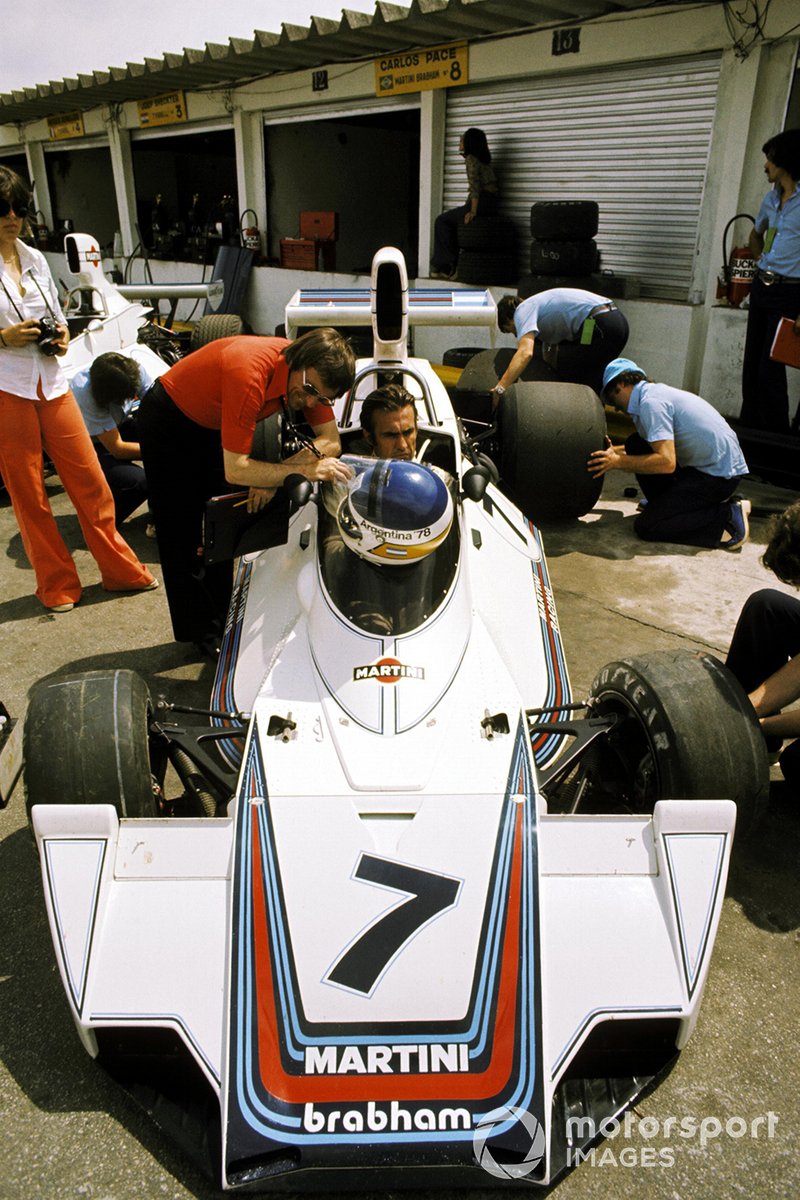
378 1118
388 670
425 1058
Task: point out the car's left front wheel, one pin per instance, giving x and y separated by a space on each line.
86 741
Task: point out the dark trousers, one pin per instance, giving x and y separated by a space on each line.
578 363
184 467
688 507
765 399
126 479
445 231
766 636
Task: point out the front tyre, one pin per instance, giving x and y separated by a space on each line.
85 741
686 731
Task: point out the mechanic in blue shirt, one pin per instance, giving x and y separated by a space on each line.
775 242
108 394
580 332
686 458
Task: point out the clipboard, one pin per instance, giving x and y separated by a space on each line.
230 531
786 344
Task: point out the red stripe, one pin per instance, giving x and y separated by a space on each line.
301 1089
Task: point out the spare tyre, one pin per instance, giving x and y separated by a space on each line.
547 432
488 233
563 258
564 220
215 326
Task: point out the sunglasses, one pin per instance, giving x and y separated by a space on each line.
20 210
310 390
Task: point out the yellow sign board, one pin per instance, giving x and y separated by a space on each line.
167 109
65 125
421 70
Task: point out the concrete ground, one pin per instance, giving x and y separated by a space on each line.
71 1134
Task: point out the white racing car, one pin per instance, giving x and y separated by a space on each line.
409 906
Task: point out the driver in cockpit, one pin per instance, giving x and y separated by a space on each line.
389 422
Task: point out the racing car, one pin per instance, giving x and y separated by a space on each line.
397 909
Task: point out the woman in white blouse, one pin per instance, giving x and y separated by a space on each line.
38 412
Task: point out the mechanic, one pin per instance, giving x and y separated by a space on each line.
764 654
38 412
686 458
775 242
580 332
196 426
389 422
108 394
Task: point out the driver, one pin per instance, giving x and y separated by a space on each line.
389 422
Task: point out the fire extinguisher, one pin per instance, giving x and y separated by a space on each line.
251 236
738 272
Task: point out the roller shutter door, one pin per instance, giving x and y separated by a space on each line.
635 139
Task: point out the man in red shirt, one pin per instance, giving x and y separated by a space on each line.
196 427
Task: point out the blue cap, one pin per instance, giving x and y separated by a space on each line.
616 367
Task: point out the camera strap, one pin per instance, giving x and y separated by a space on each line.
15 306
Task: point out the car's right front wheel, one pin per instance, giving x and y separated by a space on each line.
683 730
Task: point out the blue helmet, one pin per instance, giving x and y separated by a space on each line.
396 512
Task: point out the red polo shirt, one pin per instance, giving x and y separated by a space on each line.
232 383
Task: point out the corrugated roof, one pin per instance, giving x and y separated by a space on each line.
392 27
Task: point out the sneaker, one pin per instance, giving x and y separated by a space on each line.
68 607
150 587
738 526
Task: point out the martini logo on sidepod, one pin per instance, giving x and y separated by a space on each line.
388 670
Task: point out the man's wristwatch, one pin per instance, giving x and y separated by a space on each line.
499 390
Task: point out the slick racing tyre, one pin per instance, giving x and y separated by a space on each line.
563 258
548 431
488 233
215 326
85 741
564 220
686 731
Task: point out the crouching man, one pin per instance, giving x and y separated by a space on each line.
686 458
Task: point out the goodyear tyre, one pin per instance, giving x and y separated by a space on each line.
86 741
686 731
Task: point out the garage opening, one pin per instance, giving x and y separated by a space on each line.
364 167
186 197
82 195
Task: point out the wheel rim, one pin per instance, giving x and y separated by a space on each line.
625 763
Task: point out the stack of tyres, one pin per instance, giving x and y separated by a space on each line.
487 252
563 251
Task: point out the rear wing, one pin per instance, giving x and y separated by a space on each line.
390 306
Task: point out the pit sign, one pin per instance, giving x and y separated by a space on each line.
421 70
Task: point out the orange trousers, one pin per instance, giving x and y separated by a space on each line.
26 428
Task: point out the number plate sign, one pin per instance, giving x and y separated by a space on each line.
421 70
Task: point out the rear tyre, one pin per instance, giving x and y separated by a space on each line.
215 326
687 731
85 741
548 431
459 356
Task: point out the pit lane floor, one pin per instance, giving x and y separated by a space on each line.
71 1134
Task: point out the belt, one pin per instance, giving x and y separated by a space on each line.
601 308
770 277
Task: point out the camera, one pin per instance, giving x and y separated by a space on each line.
49 336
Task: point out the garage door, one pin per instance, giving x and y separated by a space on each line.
635 139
